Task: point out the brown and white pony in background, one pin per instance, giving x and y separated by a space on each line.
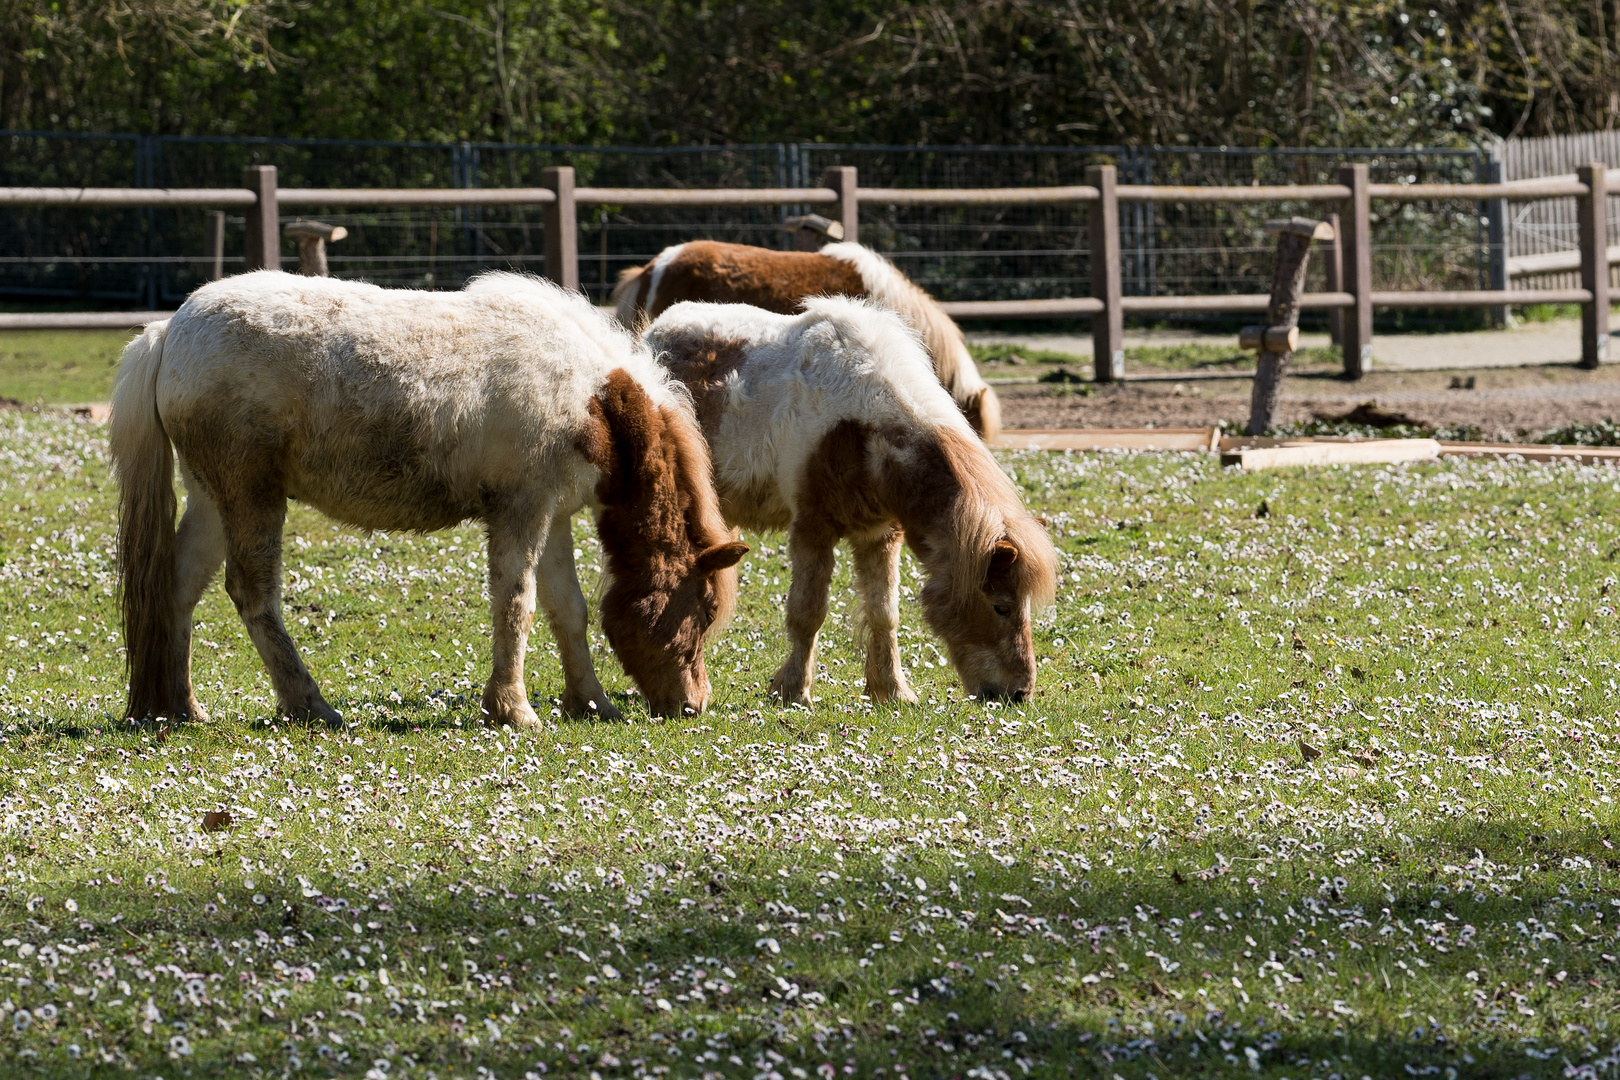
510 402
830 424
781 281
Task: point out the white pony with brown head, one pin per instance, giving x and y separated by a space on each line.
781 281
831 425
510 402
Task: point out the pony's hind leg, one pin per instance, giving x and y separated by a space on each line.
811 553
564 605
877 578
199 548
252 528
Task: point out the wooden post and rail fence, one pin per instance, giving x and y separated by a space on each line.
1349 275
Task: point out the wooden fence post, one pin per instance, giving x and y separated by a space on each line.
1335 281
1356 330
218 217
562 227
1496 226
841 178
262 247
1108 325
1593 219
1275 342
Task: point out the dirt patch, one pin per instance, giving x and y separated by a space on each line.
1505 403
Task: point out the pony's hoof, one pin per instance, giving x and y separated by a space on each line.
791 688
518 716
590 708
319 712
900 695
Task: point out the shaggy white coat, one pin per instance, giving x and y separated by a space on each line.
839 359
501 372
952 365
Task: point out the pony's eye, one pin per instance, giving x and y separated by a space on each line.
1004 611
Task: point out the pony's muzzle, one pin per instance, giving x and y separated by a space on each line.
692 700
1014 694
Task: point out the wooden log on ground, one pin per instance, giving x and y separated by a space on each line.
1591 455
1368 452
1206 440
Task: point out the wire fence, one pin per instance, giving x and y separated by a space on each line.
155 257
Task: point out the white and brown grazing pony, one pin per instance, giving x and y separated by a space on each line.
510 402
781 281
830 424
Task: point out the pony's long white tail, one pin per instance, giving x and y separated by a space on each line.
143 460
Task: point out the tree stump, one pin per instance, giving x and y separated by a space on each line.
312 237
1276 341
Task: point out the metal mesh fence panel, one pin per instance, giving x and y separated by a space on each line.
98 253
1167 249
156 257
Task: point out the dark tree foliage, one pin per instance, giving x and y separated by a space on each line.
1210 72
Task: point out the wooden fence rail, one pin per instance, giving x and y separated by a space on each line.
1106 306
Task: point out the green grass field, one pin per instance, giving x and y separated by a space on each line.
59 367
1318 783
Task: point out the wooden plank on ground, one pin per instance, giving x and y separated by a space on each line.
1368 452
1231 443
1609 455
1202 439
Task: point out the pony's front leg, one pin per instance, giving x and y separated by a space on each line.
514 549
252 528
811 553
565 611
877 579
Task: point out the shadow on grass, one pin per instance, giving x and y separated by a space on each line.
924 957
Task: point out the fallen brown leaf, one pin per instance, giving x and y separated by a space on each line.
1308 752
215 820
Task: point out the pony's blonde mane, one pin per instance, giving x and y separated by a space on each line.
953 365
987 512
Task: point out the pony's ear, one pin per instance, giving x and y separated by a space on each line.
1047 525
1002 557
721 557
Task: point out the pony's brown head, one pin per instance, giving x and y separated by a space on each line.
671 562
992 569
